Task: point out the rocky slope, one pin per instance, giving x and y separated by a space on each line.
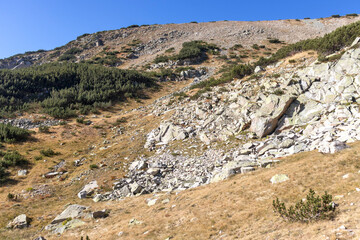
300 107
137 46
173 141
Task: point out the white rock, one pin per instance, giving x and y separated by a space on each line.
279 178
21 221
88 189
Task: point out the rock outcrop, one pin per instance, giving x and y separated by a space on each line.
310 108
21 221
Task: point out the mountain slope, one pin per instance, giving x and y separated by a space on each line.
168 166
138 46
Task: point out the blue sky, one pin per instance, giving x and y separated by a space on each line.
29 25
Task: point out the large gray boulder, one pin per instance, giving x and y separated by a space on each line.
331 147
71 212
166 133
268 115
21 221
88 189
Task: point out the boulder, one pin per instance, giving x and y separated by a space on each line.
100 214
356 41
21 221
153 171
98 198
138 165
72 211
279 178
151 202
135 188
267 117
286 143
169 132
331 147
232 168
60 228
124 191
88 189
259 69
22 172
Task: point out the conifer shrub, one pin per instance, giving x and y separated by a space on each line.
241 70
64 89
93 166
44 129
12 134
48 152
352 15
12 159
275 40
314 208
3 174
133 26
67 57
73 51
190 51
330 43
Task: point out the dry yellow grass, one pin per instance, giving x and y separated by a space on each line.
239 208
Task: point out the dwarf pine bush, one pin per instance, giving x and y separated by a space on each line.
314 208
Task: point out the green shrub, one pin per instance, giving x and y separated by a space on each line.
133 26
335 16
352 15
236 46
242 70
121 120
49 152
93 166
69 87
73 51
3 174
44 129
170 50
38 158
326 45
255 46
314 208
12 134
10 196
279 92
191 51
161 58
80 120
12 159
55 54
67 57
275 40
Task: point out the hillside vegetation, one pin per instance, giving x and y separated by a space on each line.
194 50
62 90
326 45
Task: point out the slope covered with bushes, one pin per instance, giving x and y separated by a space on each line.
326 45
65 89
